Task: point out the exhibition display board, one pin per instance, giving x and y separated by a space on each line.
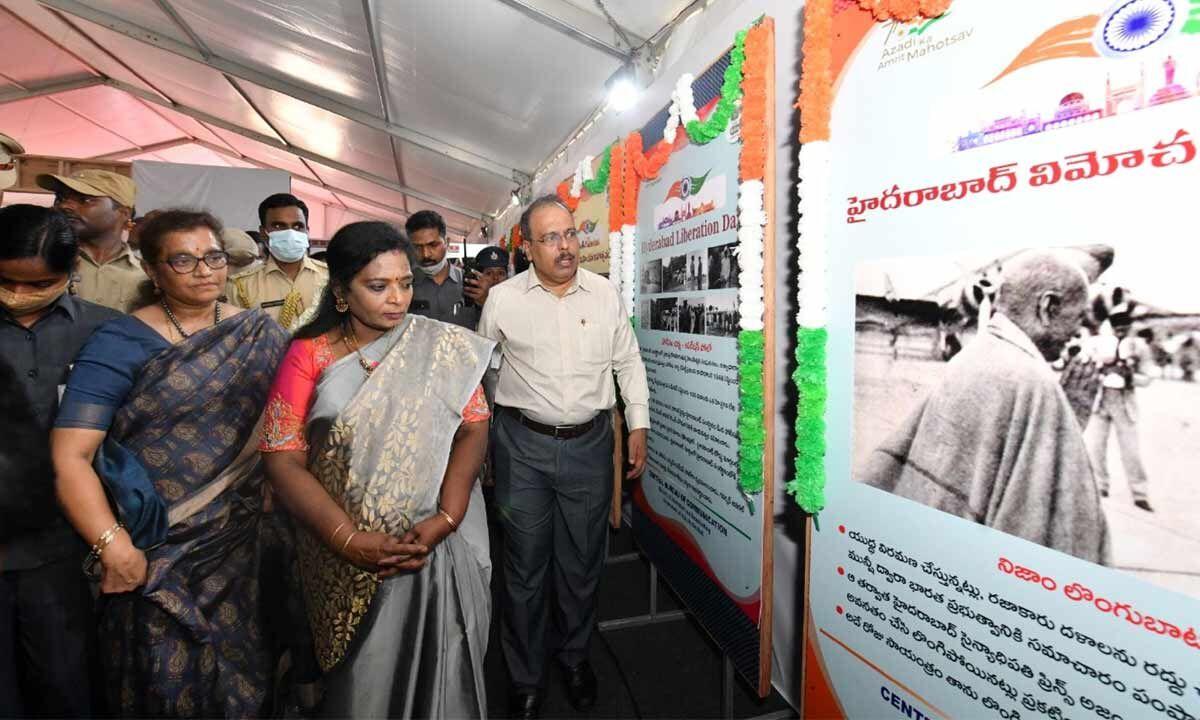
697 262
1009 523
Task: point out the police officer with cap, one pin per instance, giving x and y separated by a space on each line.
99 204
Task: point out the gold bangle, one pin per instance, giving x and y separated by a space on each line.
449 519
348 539
336 530
106 538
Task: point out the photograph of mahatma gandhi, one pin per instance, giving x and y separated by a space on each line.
1050 394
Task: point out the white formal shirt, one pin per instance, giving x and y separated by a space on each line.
558 355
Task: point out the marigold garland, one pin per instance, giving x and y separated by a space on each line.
905 10
630 182
564 193
753 160
647 166
816 74
614 159
808 483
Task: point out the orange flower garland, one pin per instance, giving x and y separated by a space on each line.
816 75
646 166
564 193
616 175
753 161
905 10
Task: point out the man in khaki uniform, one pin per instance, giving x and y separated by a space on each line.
289 282
99 205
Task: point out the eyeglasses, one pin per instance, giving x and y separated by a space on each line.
553 239
184 263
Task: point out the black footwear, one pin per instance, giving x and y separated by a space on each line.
1144 504
524 704
581 685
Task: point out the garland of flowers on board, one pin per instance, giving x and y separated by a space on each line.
624 165
815 104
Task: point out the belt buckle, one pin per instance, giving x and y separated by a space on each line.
561 430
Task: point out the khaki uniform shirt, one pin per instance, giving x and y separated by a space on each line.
115 284
269 288
558 355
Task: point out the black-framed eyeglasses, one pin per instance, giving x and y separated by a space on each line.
185 263
552 239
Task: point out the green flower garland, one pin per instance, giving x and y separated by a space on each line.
702 133
599 183
751 426
808 483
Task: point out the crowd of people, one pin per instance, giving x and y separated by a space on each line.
213 424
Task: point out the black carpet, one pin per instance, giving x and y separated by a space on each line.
673 669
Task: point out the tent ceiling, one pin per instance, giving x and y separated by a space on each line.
384 107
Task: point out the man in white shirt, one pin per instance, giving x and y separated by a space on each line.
562 332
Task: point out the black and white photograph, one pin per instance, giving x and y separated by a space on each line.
721 315
675 274
664 314
697 270
652 277
722 266
691 315
644 314
1050 394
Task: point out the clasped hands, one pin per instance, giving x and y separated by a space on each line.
386 555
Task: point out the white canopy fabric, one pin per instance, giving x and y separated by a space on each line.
377 108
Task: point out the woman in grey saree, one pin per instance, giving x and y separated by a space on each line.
373 436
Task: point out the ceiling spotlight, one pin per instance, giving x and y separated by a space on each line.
623 89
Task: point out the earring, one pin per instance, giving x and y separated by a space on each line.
157 290
340 304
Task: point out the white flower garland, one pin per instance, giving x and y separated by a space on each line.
583 173
685 100
751 221
628 283
813 229
672 120
615 266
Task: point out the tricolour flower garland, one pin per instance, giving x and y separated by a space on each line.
625 165
752 165
815 103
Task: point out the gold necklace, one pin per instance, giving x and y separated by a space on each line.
351 341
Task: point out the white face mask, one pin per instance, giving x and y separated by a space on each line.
434 269
287 245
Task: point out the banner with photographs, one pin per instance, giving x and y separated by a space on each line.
1014 414
687 269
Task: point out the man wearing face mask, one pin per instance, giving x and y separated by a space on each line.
45 604
289 281
99 205
438 286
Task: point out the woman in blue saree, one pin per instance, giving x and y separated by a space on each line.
176 390
373 435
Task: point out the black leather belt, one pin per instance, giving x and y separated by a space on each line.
560 432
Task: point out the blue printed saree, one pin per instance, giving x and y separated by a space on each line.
188 643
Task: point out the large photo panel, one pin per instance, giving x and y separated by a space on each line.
1010 528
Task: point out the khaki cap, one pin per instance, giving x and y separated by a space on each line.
99 183
239 246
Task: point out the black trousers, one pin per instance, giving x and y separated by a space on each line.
47 639
553 498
